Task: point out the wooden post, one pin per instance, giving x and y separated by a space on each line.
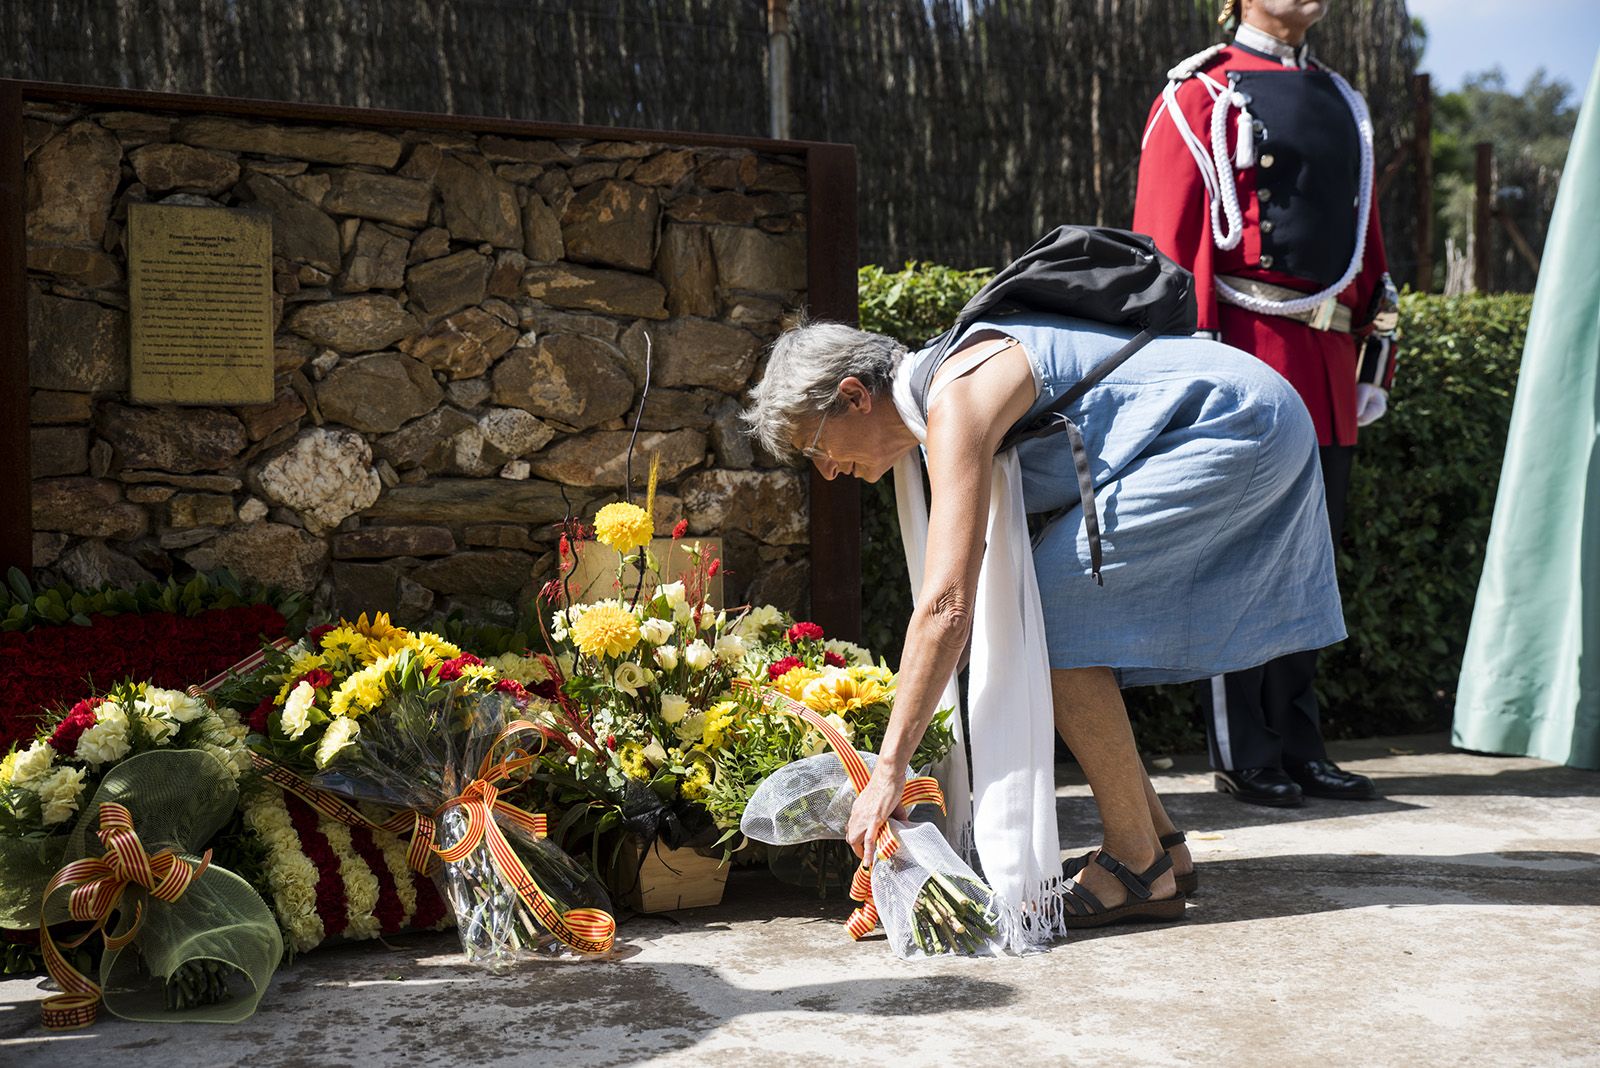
1422 134
16 472
1483 217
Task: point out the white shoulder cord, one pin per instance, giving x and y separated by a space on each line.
1216 173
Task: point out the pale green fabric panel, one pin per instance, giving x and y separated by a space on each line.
1530 679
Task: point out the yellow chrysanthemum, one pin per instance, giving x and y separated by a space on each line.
843 691
623 526
379 627
344 642
388 643
719 717
434 645
362 691
696 782
606 630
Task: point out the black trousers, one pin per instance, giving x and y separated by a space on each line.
1266 717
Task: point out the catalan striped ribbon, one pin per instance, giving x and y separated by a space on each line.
584 930
918 791
97 887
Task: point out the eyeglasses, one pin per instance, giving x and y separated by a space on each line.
811 452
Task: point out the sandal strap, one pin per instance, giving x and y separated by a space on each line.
1176 838
1138 884
1080 900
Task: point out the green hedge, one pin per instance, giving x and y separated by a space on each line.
1420 503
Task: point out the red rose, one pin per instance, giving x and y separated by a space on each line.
803 631
450 670
834 660
783 667
316 634
258 715
318 678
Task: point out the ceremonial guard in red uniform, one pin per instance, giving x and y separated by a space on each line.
1257 175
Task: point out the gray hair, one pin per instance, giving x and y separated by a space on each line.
803 373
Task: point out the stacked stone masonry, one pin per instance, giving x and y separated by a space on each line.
461 329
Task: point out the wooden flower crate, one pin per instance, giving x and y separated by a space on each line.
657 878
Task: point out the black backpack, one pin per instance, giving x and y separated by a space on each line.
1087 272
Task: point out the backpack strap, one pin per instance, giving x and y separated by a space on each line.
1053 420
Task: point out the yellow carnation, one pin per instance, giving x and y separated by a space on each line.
606 630
623 526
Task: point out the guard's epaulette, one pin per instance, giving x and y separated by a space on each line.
1191 66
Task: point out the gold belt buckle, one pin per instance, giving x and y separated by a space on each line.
1322 317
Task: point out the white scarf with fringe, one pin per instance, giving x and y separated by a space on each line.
1007 822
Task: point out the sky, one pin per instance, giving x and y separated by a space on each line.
1468 36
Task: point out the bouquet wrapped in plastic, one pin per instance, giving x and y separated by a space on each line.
927 898
446 752
185 940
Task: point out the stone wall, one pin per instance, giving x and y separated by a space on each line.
461 323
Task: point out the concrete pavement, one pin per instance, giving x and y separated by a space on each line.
1456 921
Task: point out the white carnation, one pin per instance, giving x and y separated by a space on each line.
852 652
32 763
107 740
297 710
697 654
340 733
173 704
59 794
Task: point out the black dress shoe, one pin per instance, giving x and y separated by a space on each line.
1324 778
1260 786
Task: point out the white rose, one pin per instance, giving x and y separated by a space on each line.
630 677
297 710
340 733
709 617
32 763
667 657
757 620
673 592
59 794
697 654
107 740
655 754
656 631
674 707
730 647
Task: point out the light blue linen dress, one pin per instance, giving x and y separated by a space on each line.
1214 530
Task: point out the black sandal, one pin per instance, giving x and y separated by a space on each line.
1188 882
1083 909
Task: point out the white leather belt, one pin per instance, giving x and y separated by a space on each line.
1329 315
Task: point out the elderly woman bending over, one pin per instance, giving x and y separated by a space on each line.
1216 557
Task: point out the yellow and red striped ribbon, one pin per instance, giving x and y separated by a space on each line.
584 930
922 790
97 885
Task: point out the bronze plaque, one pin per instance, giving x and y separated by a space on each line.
200 295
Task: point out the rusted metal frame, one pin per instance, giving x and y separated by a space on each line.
831 262
16 489
283 111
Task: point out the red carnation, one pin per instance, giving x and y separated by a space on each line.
316 634
802 632
73 724
834 660
783 667
258 715
512 687
679 529
318 678
450 670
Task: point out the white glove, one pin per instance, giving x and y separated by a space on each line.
1371 403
